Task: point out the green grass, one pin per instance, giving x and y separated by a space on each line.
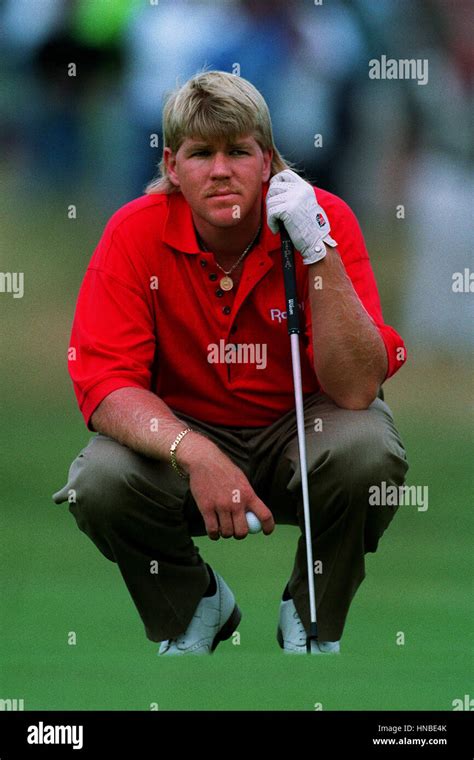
55 582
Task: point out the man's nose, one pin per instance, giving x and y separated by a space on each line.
220 166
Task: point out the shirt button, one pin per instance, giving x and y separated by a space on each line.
213 277
226 309
219 293
203 263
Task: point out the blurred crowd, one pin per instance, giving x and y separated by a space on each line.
383 142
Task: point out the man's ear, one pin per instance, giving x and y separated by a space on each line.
267 164
170 162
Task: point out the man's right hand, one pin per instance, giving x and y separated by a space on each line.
221 490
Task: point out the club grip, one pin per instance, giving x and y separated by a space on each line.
289 277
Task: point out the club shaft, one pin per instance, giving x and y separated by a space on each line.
296 363
293 323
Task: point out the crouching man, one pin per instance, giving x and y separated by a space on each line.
188 440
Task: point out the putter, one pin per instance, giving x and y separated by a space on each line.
288 261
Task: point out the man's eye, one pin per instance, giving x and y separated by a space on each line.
238 151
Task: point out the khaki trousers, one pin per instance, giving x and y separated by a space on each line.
138 511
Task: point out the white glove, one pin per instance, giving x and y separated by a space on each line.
292 200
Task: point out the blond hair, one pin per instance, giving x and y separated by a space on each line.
210 105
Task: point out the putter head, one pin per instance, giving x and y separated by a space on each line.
312 639
312 645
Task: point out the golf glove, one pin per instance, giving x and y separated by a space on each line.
291 200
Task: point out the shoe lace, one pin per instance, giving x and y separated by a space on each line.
169 642
301 629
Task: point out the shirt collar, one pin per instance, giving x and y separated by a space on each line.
179 228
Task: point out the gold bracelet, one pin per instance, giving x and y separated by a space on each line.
173 448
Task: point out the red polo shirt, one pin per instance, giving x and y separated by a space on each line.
150 314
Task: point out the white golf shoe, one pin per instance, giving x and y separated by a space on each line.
292 636
215 619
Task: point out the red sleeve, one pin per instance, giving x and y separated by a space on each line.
351 246
113 339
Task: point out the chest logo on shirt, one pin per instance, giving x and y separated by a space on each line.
277 315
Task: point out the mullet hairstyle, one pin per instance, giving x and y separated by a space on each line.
214 105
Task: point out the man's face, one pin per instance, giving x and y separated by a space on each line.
221 181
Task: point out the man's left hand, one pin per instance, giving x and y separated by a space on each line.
291 200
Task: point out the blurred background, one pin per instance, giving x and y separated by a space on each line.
73 149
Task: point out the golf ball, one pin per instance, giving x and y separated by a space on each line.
255 526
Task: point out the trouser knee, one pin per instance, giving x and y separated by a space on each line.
99 484
346 476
